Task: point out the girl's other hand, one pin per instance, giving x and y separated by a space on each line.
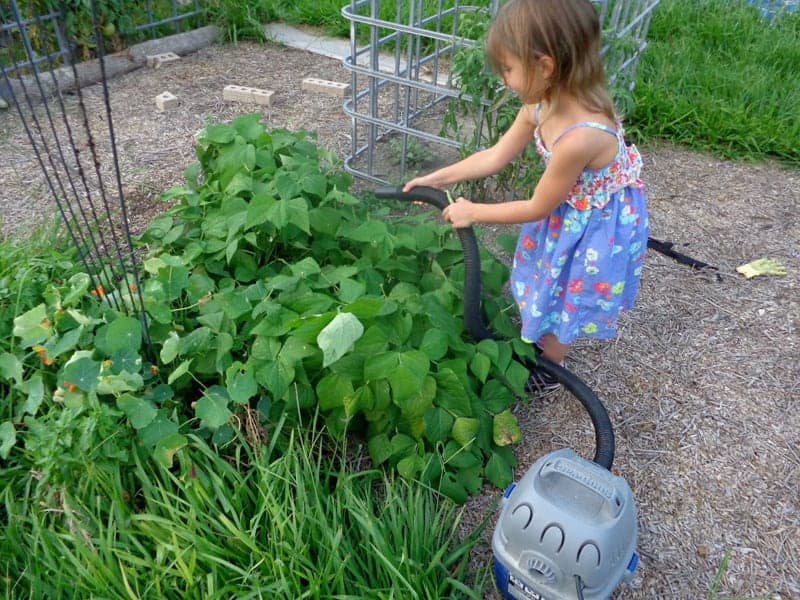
460 213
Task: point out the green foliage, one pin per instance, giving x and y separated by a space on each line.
240 19
717 76
28 266
489 109
272 291
116 23
286 522
328 13
410 149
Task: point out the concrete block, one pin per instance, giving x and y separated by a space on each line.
240 93
156 60
323 86
166 101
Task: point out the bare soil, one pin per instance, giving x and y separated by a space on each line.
701 383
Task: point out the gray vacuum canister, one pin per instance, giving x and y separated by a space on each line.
567 530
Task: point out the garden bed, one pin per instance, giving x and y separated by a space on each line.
700 384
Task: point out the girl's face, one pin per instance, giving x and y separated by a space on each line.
529 84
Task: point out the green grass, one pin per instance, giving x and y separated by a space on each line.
236 523
327 13
717 77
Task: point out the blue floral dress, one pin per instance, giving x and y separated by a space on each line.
575 271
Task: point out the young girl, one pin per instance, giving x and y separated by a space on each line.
584 232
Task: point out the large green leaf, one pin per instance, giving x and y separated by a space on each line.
160 428
498 471
293 210
380 449
259 209
480 366
365 232
402 446
124 332
240 182
435 343
453 489
453 396
169 350
141 413
116 383
166 447
417 403
78 287
381 366
82 371
286 185
217 134
34 388
212 408
235 159
438 424
10 367
465 430
360 400
495 397
249 126
241 383
33 326
410 466
8 437
181 370
277 375
405 383
332 391
313 182
339 336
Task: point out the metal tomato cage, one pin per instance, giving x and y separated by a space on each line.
400 83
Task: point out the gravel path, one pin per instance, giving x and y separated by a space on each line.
701 383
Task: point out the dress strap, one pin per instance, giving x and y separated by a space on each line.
592 124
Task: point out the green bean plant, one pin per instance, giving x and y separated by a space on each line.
271 291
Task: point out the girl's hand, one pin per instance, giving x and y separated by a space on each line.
426 180
460 213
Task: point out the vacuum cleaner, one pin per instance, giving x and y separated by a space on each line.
567 529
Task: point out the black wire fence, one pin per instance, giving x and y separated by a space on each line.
76 149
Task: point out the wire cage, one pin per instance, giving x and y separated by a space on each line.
401 83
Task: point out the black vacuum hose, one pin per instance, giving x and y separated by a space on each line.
473 321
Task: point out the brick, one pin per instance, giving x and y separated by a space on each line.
240 93
323 86
166 101
156 60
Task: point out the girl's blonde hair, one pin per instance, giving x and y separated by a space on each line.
568 31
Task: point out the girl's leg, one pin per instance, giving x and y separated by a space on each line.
542 384
552 349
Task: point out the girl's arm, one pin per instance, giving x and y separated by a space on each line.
485 162
571 155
